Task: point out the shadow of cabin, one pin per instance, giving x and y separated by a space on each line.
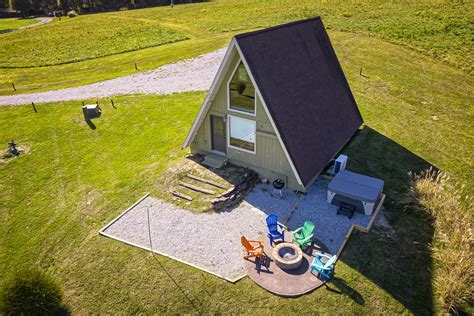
398 261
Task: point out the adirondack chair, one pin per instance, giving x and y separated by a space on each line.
304 235
272 229
326 269
251 250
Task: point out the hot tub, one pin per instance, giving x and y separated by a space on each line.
360 191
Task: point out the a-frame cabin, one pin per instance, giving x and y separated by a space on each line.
279 104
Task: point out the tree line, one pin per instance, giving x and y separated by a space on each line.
45 7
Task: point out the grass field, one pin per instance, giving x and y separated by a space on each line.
438 29
83 38
73 180
13 23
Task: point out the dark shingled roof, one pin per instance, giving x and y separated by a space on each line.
305 90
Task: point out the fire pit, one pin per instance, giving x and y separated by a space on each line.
287 256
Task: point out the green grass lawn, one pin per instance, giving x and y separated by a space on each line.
13 23
438 29
73 180
82 38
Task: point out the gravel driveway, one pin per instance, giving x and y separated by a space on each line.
42 20
194 74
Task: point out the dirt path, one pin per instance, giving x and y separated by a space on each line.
41 22
194 74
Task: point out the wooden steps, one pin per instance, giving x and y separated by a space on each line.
213 183
196 188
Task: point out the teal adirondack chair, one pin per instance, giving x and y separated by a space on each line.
326 269
304 235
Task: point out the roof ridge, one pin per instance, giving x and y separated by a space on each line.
316 18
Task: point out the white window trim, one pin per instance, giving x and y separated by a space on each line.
254 152
228 91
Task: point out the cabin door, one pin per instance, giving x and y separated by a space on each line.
218 134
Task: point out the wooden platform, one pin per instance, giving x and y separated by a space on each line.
285 283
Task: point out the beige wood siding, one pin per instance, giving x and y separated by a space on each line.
269 160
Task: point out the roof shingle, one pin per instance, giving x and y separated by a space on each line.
303 85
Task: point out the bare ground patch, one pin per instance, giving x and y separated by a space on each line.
6 156
228 176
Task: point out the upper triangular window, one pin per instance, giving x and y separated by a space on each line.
241 91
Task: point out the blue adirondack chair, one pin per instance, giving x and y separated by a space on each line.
272 229
325 268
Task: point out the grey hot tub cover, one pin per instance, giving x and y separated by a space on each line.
356 186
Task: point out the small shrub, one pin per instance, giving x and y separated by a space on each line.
31 292
453 273
72 14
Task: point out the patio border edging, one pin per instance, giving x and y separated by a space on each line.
361 228
123 213
103 233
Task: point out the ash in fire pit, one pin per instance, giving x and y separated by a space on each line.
287 253
287 256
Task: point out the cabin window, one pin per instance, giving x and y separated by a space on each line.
242 133
241 91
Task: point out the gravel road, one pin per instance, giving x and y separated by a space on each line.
41 22
194 74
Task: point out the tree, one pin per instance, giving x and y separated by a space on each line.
37 6
31 292
4 4
22 5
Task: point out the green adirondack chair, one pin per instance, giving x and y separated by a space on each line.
304 235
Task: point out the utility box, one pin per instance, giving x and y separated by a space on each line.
91 111
340 163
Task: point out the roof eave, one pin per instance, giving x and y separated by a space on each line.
210 95
282 144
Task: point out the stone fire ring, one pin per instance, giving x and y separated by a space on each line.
287 256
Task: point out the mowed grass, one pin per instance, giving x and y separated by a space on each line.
13 23
74 180
438 29
82 38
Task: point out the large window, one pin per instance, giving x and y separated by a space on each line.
241 91
242 133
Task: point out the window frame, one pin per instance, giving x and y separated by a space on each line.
229 119
254 113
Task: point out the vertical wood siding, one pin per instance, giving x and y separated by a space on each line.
270 160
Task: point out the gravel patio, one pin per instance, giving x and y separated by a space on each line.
211 241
